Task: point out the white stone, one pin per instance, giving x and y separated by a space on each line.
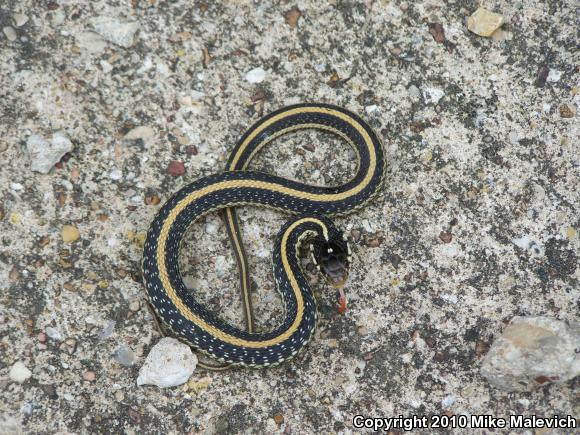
211 227
221 266
20 19
448 402
169 363
257 75
432 95
142 132
53 333
118 32
531 352
19 372
10 33
90 42
527 243
554 75
125 356
44 154
116 174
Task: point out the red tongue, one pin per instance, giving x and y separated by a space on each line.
341 301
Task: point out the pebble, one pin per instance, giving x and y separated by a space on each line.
44 154
257 75
554 75
70 234
566 111
448 402
53 333
135 305
19 372
168 364
118 32
125 356
483 22
20 19
362 331
211 227
107 331
532 352
10 33
432 95
176 168
445 236
116 174
90 42
119 396
292 16
89 376
142 132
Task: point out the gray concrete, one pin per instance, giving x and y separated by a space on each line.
478 223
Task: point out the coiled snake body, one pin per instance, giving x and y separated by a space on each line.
176 305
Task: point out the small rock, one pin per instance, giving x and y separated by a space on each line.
19 372
45 154
125 356
437 32
566 111
554 75
169 363
116 174
20 20
448 402
142 132
119 396
70 234
116 31
257 75
445 236
176 168
90 42
10 33
531 352
107 331
278 419
432 95
89 376
53 333
292 16
483 22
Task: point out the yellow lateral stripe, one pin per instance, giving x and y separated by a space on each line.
218 333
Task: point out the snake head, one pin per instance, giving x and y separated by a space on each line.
332 258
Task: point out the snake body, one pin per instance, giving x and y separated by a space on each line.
176 305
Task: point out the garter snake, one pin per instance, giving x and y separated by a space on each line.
310 206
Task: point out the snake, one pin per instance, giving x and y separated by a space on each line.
310 207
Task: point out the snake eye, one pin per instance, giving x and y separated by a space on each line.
332 258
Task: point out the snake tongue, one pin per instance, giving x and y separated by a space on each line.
341 301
